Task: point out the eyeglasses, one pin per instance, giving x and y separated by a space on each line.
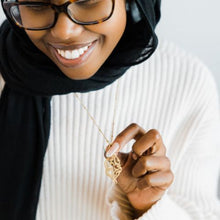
35 15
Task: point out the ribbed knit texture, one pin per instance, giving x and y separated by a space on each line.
172 92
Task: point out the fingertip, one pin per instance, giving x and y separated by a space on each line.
134 156
112 149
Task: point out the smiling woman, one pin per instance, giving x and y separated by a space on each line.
80 76
68 35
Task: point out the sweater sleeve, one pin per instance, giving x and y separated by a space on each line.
193 194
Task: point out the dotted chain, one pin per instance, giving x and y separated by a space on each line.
94 121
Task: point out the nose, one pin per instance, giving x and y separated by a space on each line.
65 28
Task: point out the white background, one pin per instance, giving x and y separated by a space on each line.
192 25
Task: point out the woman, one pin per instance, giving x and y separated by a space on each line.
71 81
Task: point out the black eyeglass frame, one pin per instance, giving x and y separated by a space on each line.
57 8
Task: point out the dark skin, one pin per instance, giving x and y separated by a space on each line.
146 172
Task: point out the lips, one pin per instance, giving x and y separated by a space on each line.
72 55
70 47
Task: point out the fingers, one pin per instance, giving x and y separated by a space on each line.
146 166
162 179
149 143
146 143
150 164
133 131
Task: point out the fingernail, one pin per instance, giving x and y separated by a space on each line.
112 150
134 156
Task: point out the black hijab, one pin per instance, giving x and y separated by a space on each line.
31 79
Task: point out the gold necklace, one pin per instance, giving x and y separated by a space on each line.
112 164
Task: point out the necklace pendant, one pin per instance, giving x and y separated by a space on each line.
113 167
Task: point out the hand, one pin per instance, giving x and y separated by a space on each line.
146 170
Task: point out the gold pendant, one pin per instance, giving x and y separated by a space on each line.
113 167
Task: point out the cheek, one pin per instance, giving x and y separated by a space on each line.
113 28
37 38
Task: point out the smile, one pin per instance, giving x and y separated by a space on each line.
73 54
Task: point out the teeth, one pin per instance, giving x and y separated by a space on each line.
81 51
68 54
73 54
62 53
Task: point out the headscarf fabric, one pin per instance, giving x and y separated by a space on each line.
31 79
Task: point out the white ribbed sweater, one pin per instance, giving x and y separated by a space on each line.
172 92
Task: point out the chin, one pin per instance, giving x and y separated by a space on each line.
78 76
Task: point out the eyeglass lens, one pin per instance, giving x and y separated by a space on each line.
37 16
